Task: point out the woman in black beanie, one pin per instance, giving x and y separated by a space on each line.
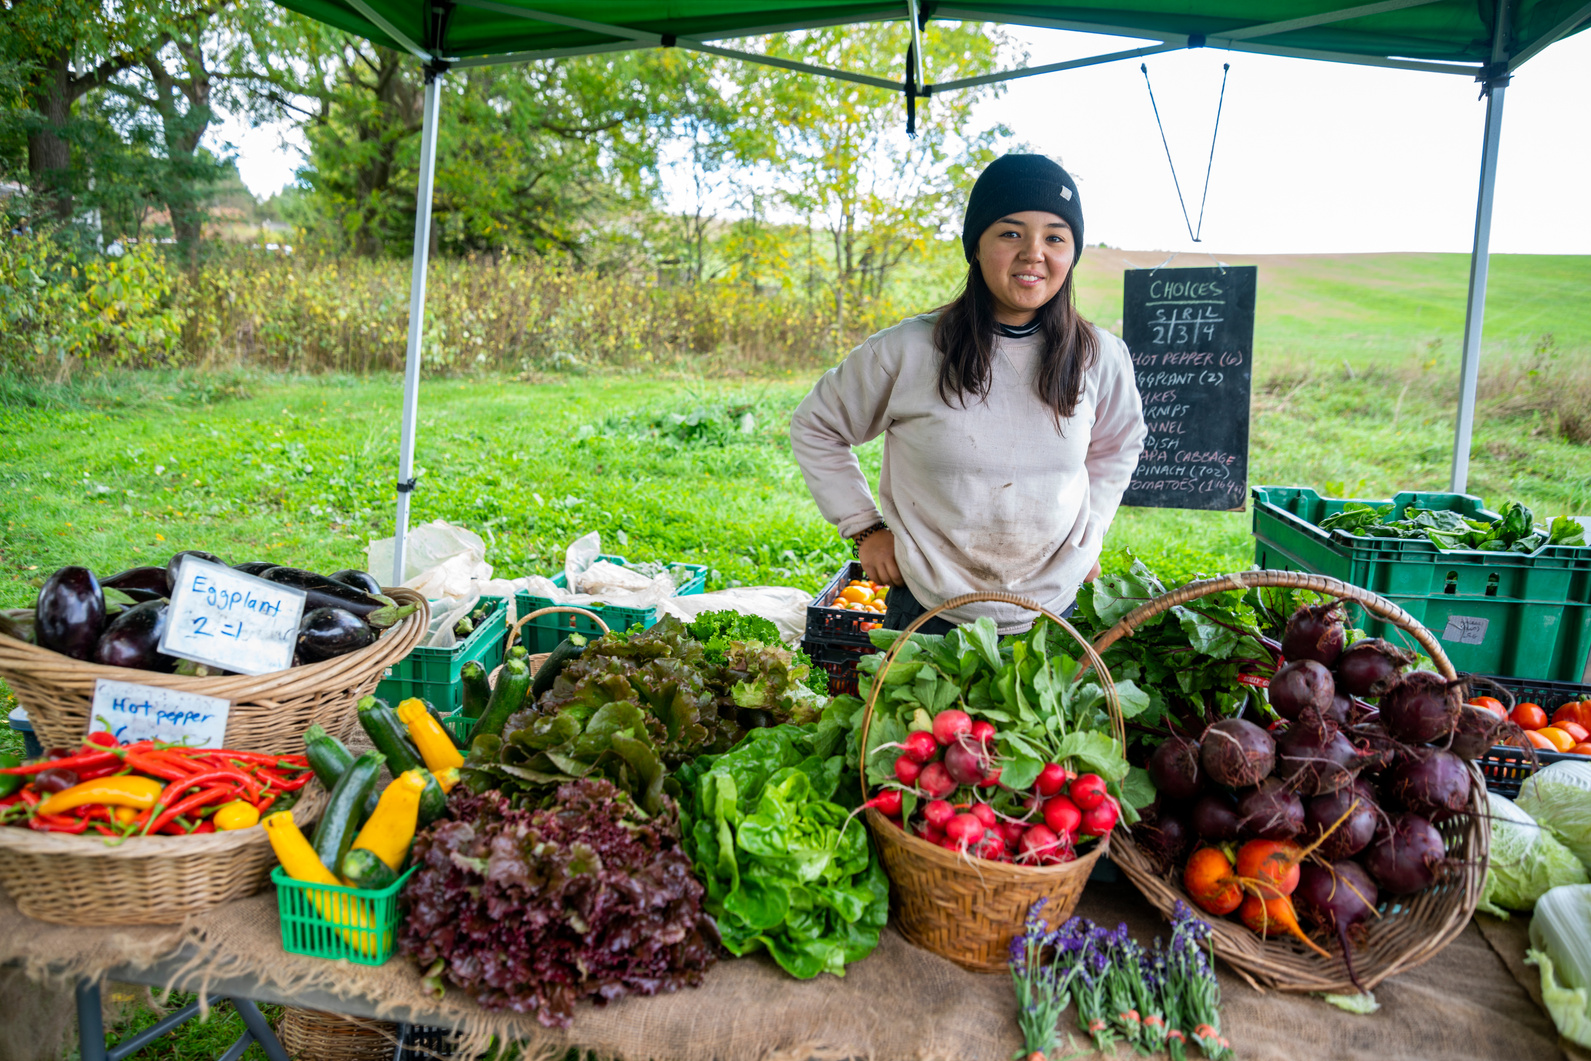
1012 425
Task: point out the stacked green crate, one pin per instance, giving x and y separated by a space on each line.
1525 615
433 673
543 633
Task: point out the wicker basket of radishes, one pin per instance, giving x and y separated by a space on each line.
998 772
1341 824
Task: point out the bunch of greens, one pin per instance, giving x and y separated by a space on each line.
1192 660
533 910
1033 693
786 868
1514 531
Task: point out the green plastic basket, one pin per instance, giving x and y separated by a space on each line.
368 918
432 674
542 634
1523 615
459 726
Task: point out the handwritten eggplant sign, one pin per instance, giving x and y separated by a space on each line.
224 618
133 712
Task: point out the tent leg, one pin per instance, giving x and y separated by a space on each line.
1475 311
411 361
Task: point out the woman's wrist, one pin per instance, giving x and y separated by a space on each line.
862 535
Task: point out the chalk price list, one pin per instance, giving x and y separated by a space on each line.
1168 463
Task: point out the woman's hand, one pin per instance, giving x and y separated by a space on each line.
877 553
1093 572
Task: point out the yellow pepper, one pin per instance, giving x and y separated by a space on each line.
236 815
390 830
298 858
123 790
446 779
434 745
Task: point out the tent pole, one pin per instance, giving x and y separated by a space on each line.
411 361
1479 263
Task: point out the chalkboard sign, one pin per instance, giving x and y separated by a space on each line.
1191 336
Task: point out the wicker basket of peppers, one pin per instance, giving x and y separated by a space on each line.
142 833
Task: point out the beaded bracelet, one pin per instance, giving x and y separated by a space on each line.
856 542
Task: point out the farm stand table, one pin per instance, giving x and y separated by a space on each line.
901 1003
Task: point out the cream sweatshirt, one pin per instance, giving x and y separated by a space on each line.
990 496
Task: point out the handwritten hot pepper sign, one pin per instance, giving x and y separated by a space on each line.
224 618
133 712
1191 336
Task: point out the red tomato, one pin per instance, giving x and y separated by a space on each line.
1528 716
1574 729
1490 703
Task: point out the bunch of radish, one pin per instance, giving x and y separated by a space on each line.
1342 794
953 772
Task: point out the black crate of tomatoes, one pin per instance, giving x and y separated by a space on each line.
1555 720
839 620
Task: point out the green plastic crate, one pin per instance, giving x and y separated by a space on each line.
1523 615
369 918
544 633
433 673
459 726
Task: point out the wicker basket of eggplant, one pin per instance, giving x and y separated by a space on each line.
82 629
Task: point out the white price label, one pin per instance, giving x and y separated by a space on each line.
224 618
135 712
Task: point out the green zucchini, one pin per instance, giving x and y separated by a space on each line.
512 686
9 783
518 652
389 735
364 869
433 801
477 690
339 822
326 755
568 649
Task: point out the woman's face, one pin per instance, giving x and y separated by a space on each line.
1024 258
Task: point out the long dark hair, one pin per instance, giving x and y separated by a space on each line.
964 334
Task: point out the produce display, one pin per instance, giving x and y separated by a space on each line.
786 868
1242 806
971 744
1514 532
861 595
120 620
147 788
1151 999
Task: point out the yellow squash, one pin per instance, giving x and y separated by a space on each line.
293 850
390 830
434 745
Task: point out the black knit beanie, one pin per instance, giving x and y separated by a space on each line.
1021 182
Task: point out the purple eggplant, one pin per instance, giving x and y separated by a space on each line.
150 578
327 632
133 639
254 567
70 612
321 592
360 580
176 562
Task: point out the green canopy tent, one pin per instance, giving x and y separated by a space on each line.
1481 39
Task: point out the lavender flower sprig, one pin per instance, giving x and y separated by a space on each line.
1200 991
1043 988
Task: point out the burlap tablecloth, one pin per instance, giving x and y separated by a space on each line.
901 1004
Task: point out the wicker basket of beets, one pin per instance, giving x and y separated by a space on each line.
1359 828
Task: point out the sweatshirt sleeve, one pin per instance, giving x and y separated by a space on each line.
1118 435
848 406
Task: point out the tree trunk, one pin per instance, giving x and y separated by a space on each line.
49 153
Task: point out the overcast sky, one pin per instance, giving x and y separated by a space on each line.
1311 156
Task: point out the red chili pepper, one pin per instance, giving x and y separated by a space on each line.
247 757
71 762
265 804
178 758
205 827
56 823
232 778
155 766
189 803
104 739
108 770
285 784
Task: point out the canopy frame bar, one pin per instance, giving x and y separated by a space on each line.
1480 253
392 31
915 21
1051 68
1324 18
1552 36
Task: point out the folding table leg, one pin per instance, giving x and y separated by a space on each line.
256 1023
90 1021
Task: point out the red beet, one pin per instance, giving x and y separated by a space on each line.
1476 731
1420 707
1215 817
1175 770
1271 811
1355 832
1314 632
1336 898
1407 856
1237 753
1316 760
1430 782
1300 685
1369 667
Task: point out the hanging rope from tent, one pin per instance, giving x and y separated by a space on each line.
1193 233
